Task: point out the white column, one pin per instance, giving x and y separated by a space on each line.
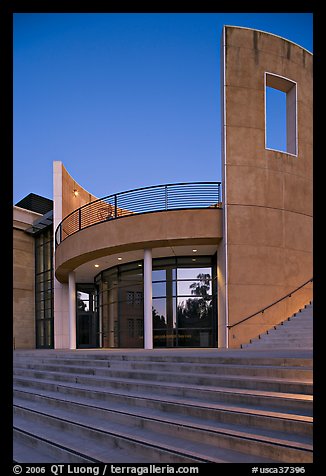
60 290
72 310
148 317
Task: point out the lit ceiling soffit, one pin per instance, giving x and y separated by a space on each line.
41 223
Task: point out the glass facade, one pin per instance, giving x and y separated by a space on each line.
121 306
87 316
184 304
44 289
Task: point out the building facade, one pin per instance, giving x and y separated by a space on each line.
189 265
33 273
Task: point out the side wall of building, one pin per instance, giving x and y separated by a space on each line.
23 280
267 194
65 201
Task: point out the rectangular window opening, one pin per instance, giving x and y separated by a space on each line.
280 114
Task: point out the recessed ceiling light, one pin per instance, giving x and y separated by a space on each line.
193 259
119 258
96 265
194 251
140 265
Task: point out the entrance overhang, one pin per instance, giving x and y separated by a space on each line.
138 232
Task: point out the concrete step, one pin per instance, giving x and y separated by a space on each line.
183 409
292 372
294 333
269 345
164 406
105 442
266 400
29 448
215 356
277 337
161 430
87 375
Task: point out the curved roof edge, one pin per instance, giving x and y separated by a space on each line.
268 33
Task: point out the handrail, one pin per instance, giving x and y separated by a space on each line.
270 305
175 196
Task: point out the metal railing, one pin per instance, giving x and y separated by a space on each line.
156 198
262 311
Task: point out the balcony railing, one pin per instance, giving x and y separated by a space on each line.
178 196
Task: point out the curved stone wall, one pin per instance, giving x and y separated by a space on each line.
137 232
267 195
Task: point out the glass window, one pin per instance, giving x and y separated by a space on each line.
194 312
159 312
44 289
130 297
201 288
159 289
48 332
181 308
140 327
192 273
40 333
138 298
158 275
131 327
122 310
39 259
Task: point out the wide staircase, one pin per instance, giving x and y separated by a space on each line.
163 406
294 333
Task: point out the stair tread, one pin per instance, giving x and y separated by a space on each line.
167 442
115 406
120 364
79 444
239 430
294 333
180 374
262 411
100 451
27 454
146 383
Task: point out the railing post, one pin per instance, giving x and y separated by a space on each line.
115 206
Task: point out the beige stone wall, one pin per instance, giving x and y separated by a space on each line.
69 201
98 211
267 194
149 230
23 280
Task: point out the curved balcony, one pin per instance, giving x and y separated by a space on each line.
179 196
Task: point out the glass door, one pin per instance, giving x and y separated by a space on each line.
87 317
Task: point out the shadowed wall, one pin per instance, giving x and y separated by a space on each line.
23 279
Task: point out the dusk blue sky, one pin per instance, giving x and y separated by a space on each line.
124 100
